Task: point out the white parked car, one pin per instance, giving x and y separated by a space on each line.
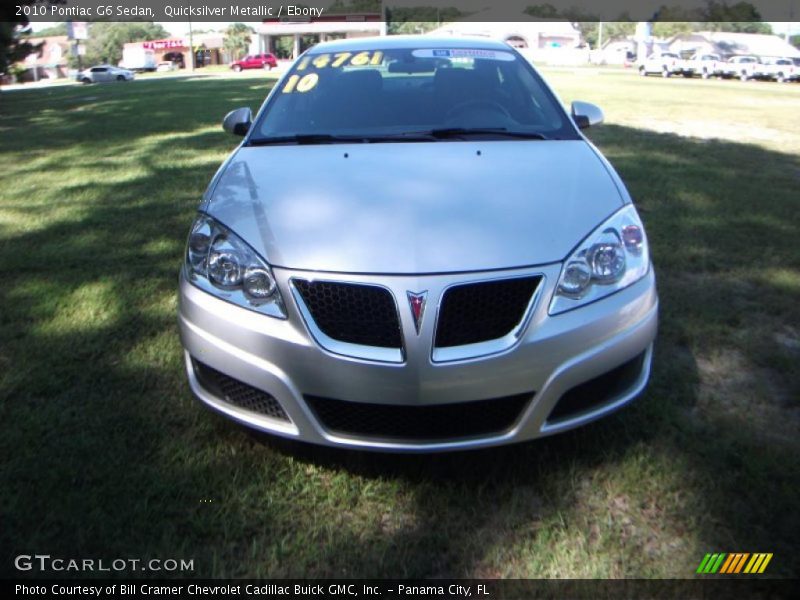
664 64
166 65
104 73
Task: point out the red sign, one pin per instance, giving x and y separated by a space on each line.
163 44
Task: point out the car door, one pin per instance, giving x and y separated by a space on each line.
247 62
99 74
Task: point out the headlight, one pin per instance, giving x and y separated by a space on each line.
613 257
221 263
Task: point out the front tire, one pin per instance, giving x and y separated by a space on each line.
237 68
86 81
665 72
120 77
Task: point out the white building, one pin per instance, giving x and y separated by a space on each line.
321 29
554 42
729 44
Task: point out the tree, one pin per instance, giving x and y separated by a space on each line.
59 29
542 11
739 26
419 19
107 38
13 29
668 29
741 17
586 23
237 40
355 6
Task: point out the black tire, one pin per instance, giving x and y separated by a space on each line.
120 77
665 72
86 81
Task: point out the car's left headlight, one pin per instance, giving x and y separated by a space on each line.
221 263
611 258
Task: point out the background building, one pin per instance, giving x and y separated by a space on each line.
729 44
553 42
49 62
208 49
306 32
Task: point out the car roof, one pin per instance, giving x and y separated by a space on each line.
408 41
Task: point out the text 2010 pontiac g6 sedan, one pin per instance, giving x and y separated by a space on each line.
414 248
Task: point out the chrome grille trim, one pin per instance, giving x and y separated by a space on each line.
370 353
489 347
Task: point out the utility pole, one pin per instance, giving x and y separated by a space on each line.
599 35
191 47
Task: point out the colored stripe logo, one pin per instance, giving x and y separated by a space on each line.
734 563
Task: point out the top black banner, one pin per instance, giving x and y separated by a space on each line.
405 10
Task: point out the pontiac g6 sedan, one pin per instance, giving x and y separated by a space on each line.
414 248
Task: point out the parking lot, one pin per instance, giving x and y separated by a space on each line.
106 453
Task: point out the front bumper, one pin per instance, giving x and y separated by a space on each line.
551 356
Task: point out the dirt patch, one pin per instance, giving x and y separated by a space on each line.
731 386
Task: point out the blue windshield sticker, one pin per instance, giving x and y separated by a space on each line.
463 53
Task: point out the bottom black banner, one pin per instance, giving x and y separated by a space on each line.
490 589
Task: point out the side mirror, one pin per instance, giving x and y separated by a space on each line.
585 114
238 121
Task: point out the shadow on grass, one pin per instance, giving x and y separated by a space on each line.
108 455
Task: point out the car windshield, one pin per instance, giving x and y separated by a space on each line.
397 94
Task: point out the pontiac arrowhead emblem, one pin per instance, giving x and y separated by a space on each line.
417 303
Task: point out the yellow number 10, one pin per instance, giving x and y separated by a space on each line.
301 84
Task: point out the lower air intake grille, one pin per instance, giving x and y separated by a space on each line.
596 392
478 312
434 423
238 393
353 313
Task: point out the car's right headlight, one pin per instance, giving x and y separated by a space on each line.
221 263
612 257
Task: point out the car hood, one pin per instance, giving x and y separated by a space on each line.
430 207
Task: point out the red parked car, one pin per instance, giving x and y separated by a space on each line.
255 61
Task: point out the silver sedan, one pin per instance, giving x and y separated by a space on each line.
414 248
104 73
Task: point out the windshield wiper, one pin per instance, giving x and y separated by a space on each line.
430 135
456 132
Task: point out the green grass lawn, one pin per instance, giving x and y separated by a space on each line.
106 454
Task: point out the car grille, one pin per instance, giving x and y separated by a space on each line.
353 313
434 423
478 312
238 393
